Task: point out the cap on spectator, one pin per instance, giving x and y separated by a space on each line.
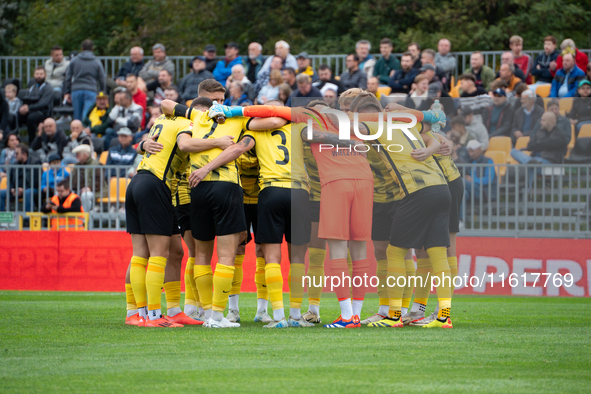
426 67
500 92
124 131
210 48
584 82
434 88
303 55
53 157
474 144
232 45
82 148
101 95
202 58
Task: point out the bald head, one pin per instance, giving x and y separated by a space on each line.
548 121
49 126
75 129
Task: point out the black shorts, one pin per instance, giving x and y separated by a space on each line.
422 219
216 209
456 189
183 214
148 206
251 213
283 211
382 217
314 211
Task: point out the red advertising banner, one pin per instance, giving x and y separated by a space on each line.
97 261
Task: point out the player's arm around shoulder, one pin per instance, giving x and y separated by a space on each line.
193 145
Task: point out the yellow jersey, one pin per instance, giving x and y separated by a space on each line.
248 167
170 160
446 164
281 158
181 190
412 175
384 188
204 127
313 175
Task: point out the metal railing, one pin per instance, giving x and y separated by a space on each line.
525 200
22 67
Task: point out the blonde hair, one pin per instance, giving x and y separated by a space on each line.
420 78
515 40
276 77
348 96
11 87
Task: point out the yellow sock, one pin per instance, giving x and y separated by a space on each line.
274 281
423 286
296 290
438 257
204 282
190 286
396 269
172 291
155 281
410 284
453 268
259 279
238 274
316 274
222 285
129 297
137 276
382 274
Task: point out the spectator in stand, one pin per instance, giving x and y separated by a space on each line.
353 77
468 86
237 97
8 155
83 75
500 117
55 69
366 60
122 154
171 93
484 74
568 46
77 137
387 64
255 61
373 84
304 66
54 174
151 70
155 112
49 139
444 60
188 86
567 78
305 92
508 58
263 78
481 181
137 95
284 93
64 202
520 59
325 78
210 57
419 92
588 75
271 90
329 95
403 79
544 67
5 119
474 127
87 179
428 58
287 59
224 67
134 65
14 103
525 119
158 86
96 121
23 182
461 137
289 77
415 52
37 103
580 113
239 76
562 123
507 75
125 113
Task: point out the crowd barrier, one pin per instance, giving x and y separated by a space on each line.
98 260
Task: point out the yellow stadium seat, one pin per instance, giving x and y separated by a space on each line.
117 190
571 144
498 157
455 89
521 143
3 183
546 101
585 131
384 91
502 144
188 103
566 104
543 90
103 158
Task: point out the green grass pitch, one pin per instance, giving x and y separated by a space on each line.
65 342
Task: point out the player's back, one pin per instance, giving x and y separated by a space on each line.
248 167
446 164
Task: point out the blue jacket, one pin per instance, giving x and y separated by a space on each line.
120 157
50 178
241 100
223 70
402 81
576 74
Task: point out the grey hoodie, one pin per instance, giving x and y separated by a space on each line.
84 73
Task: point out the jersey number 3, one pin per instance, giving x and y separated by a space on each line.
282 147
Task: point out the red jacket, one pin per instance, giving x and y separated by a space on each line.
141 99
